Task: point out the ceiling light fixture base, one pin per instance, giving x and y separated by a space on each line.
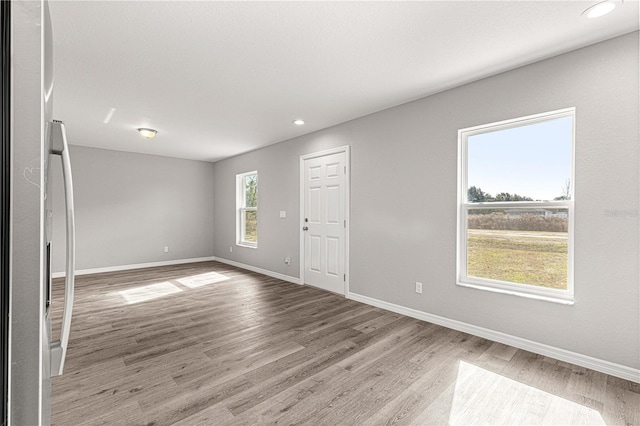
601 8
147 133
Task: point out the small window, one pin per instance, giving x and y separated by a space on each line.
247 209
515 208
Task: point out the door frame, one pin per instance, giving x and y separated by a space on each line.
347 214
5 205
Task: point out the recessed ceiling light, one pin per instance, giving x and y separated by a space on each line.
298 122
599 9
147 133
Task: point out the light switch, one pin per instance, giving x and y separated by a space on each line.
283 214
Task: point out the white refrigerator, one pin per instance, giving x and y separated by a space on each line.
35 142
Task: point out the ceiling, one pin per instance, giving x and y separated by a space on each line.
217 79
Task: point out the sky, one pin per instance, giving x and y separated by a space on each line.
532 161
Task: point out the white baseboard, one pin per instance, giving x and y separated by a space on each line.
134 266
282 277
613 369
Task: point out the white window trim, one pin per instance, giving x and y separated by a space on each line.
505 287
240 209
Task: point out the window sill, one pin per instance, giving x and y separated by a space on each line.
247 245
569 302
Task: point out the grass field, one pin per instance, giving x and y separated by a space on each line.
528 257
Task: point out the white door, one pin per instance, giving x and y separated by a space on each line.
324 221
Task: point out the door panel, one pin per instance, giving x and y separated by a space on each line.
333 256
333 170
315 204
333 205
314 172
325 220
314 253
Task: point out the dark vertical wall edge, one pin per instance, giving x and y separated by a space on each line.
5 170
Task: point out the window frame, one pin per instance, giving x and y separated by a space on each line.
241 209
464 206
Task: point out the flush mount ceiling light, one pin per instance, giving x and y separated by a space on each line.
298 122
600 9
147 133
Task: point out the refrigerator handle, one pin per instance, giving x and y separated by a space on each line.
59 348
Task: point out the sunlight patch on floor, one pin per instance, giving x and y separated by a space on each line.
195 281
148 292
484 397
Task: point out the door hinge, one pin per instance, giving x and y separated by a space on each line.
345 170
344 277
345 223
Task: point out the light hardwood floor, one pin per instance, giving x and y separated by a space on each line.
208 343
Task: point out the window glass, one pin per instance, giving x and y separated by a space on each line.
247 209
532 161
525 246
251 190
251 226
516 205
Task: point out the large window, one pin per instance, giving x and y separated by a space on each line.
247 209
515 206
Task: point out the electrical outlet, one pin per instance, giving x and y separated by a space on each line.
287 260
230 249
418 287
166 249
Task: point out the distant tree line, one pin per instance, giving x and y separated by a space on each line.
498 219
524 222
477 195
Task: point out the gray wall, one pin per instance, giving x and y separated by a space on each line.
402 232
130 206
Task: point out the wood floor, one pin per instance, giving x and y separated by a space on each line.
208 343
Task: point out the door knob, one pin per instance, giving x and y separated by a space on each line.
305 228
